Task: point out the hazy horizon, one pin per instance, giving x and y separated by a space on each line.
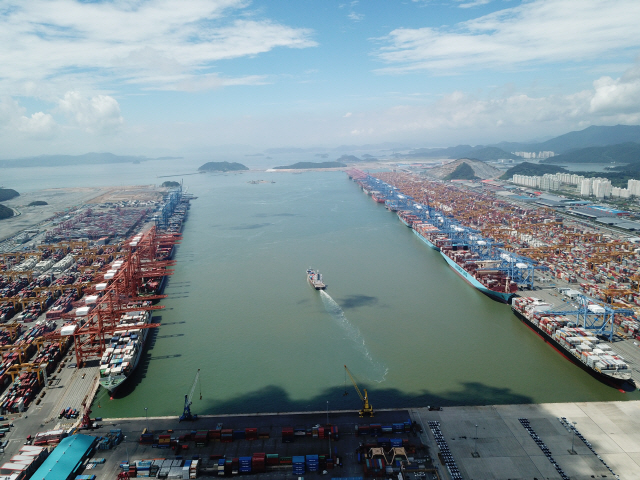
171 78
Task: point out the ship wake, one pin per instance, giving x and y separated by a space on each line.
353 333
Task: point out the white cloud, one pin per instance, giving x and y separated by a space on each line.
38 124
356 17
535 32
347 115
62 42
13 120
493 117
619 96
214 81
97 114
474 3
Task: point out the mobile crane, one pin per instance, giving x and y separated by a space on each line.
186 414
367 408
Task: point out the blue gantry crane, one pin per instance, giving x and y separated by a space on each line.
519 268
186 414
593 315
170 200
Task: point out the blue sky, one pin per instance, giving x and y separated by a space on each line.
186 77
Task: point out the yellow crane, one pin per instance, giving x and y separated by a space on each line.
367 408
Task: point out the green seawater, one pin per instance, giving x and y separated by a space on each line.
411 331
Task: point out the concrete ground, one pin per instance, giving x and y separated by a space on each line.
505 450
58 199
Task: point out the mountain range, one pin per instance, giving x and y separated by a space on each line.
91 158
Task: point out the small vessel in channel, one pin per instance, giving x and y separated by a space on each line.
315 279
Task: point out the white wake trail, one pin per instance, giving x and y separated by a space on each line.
353 333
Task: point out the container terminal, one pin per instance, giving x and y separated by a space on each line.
60 318
581 280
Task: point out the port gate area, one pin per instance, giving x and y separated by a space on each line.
522 441
345 448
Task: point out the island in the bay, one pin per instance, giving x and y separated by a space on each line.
309 165
222 167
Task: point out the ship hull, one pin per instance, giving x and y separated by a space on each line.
112 384
426 241
315 283
500 296
617 383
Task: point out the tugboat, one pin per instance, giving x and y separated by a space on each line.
315 279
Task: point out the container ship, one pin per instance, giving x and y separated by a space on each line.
465 251
573 342
480 273
122 356
315 279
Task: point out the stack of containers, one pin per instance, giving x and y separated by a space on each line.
298 465
185 470
21 393
226 435
164 441
143 468
245 465
251 433
193 469
201 438
259 462
312 463
287 435
273 459
374 467
221 464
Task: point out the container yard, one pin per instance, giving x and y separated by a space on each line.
505 249
63 301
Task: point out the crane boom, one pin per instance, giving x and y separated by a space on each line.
366 406
186 414
193 388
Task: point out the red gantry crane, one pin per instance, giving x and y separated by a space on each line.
118 294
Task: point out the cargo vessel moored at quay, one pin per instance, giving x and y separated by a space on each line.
480 262
574 343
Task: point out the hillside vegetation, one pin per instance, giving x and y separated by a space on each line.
222 167
5 212
628 153
7 194
462 172
170 184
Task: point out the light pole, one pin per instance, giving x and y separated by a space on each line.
146 417
329 428
475 441
126 448
573 436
